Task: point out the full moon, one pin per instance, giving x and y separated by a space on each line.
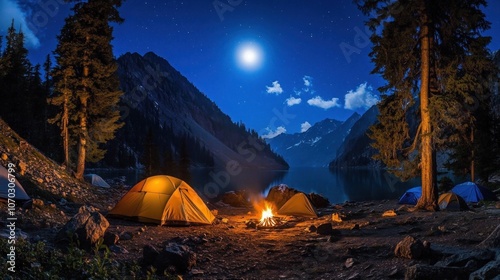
249 56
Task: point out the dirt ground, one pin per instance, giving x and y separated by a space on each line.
231 250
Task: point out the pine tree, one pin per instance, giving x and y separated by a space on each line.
86 80
433 57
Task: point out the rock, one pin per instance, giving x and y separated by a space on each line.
63 202
410 248
126 236
471 259
86 227
489 271
4 157
110 238
22 167
118 249
38 203
180 257
280 194
325 229
215 212
389 213
336 218
355 227
318 200
493 240
349 262
425 272
236 199
225 220
149 255
311 228
251 224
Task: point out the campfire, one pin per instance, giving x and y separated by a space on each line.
267 219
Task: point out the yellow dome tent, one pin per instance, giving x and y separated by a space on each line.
298 205
163 199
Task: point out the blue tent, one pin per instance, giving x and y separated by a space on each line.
411 196
472 192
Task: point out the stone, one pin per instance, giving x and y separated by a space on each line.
179 257
126 236
225 220
118 249
349 262
280 194
311 228
149 255
5 157
110 238
325 229
22 167
410 248
86 227
63 202
236 199
38 203
318 200
389 213
251 224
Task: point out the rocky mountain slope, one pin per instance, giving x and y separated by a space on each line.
315 147
158 100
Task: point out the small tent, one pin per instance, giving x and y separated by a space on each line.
411 196
96 180
471 192
298 205
162 200
452 201
18 190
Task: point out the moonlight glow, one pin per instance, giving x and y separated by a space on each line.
249 56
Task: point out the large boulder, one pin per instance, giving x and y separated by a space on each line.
86 228
411 248
318 200
174 258
236 198
280 194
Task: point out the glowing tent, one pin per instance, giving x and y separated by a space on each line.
163 199
452 201
298 205
18 190
471 192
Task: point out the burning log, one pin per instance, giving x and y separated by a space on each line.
268 222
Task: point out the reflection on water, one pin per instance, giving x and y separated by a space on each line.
338 185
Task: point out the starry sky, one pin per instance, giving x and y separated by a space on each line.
277 66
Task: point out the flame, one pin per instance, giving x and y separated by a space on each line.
266 213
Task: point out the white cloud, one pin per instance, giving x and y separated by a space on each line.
293 101
362 97
276 88
305 126
9 10
307 81
325 104
271 134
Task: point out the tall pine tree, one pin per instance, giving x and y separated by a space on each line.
86 80
433 57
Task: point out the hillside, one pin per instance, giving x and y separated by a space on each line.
161 102
315 147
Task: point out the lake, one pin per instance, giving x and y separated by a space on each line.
338 186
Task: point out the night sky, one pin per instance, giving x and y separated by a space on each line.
276 66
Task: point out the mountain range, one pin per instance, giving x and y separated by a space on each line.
167 119
317 146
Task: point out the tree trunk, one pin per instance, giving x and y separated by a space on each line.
82 140
428 200
65 121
